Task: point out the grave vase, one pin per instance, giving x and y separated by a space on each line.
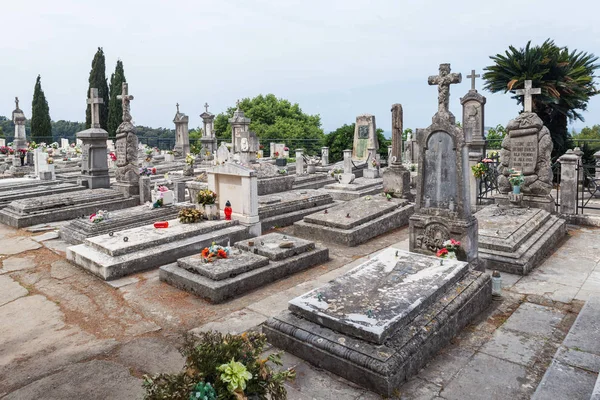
311 169
516 189
211 211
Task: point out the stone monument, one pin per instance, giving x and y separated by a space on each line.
182 136
20 141
527 148
239 123
473 127
94 163
208 139
365 136
442 205
127 173
396 178
324 156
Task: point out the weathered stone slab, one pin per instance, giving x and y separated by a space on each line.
380 296
283 209
43 189
237 263
269 246
353 213
358 188
313 181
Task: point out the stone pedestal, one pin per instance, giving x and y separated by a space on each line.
145 189
372 171
324 156
182 136
568 182
208 139
239 123
396 182
94 163
300 163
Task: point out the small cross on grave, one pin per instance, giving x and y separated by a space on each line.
17 103
95 102
473 77
444 80
125 97
177 105
527 92
206 107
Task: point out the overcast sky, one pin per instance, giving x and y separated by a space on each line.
335 58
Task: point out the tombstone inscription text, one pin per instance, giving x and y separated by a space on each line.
363 132
440 184
524 154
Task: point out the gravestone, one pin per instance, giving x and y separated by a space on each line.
442 204
527 147
248 147
411 150
94 163
324 156
208 139
239 123
64 144
127 173
300 162
372 170
222 154
473 105
396 178
182 136
365 136
20 141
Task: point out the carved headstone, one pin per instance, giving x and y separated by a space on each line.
222 154
182 136
239 123
20 141
365 136
442 204
208 139
127 173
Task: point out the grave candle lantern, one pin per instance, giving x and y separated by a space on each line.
227 210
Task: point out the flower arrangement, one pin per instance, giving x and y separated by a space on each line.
449 249
99 216
335 172
22 152
32 145
11 151
190 215
148 151
77 150
113 156
147 171
72 144
481 168
291 160
286 149
171 152
413 167
50 160
261 147
4 149
493 154
225 367
189 159
375 163
209 254
54 145
516 178
276 154
206 196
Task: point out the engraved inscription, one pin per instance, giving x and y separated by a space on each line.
524 154
363 132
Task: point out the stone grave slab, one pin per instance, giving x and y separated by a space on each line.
78 230
111 257
415 327
245 270
516 240
380 296
358 188
36 189
60 207
283 209
355 221
269 246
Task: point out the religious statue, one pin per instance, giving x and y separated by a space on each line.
444 80
127 143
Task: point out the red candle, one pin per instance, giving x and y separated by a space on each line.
161 224
227 210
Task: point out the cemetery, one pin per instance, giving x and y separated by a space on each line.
427 265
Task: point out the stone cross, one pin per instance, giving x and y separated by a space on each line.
94 101
473 77
125 97
177 105
527 92
444 80
17 103
206 107
237 103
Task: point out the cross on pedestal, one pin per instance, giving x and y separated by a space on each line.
527 92
473 77
237 103
95 102
125 98
17 103
444 80
177 105
206 107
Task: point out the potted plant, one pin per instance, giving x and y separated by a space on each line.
207 199
516 179
280 162
451 249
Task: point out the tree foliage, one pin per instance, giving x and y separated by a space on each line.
115 106
343 138
41 126
97 80
566 79
495 136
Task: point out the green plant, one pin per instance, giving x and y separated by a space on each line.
291 160
516 178
479 169
189 215
206 196
203 391
225 362
413 167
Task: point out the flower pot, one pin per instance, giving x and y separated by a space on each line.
311 169
516 189
281 162
211 211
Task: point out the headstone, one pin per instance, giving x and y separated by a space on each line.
222 154
94 163
248 147
64 144
527 147
127 173
372 171
182 136
179 192
324 156
145 189
300 163
442 204
568 182
271 149
473 105
238 185
208 139
239 123
365 136
20 141
347 177
396 178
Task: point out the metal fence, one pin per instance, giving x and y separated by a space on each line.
588 191
488 184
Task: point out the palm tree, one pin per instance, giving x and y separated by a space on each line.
565 77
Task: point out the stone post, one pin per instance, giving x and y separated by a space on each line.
145 190
208 139
568 182
182 136
597 156
396 178
20 141
271 149
347 161
179 192
390 156
372 171
579 153
300 163
324 156
474 157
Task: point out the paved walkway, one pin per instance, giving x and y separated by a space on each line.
67 335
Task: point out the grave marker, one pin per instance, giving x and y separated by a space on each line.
365 136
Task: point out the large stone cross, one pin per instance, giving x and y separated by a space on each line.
125 97
473 77
95 102
206 107
444 80
527 92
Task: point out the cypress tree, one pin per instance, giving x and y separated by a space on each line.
115 107
98 80
41 126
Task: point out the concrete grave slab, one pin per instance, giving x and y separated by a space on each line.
235 264
269 246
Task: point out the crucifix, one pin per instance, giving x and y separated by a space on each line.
125 97
94 101
177 105
206 107
527 92
17 102
444 80
472 77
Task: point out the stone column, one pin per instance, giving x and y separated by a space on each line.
395 150
20 141
347 161
182 136
324 156
568 182
396 178
145 190
474 158
597 156
208 139
579 153
300 164
390 156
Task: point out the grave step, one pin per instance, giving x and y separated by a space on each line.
108 267
573 373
